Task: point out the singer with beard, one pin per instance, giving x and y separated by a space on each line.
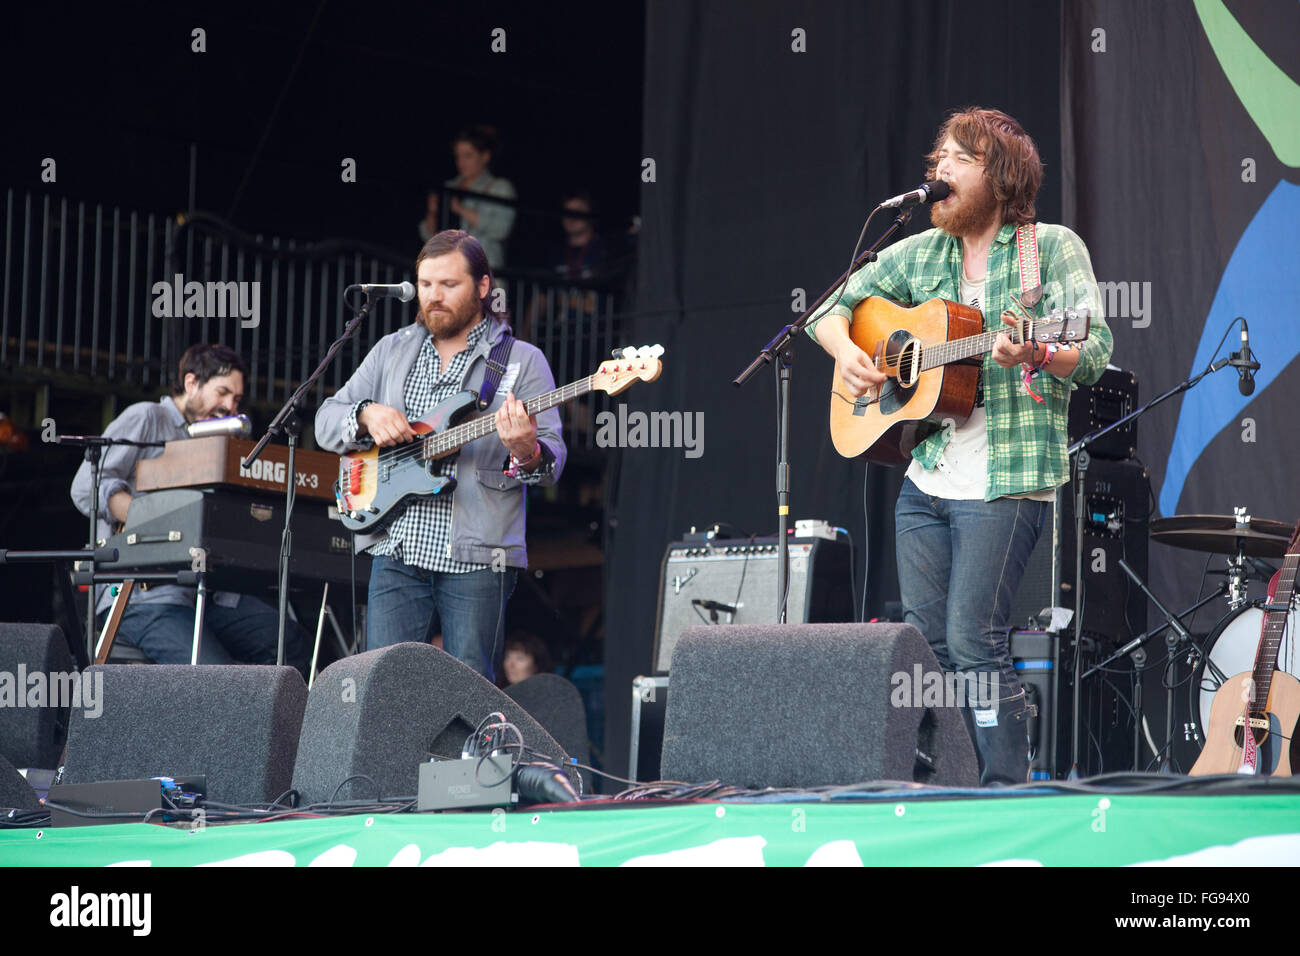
448 563
159 619
976 497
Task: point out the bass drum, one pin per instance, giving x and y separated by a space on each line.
1231 649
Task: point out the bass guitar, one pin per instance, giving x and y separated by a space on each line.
375 485
932 354
1253 716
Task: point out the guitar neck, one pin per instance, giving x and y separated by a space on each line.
945 353
1270 638
444 443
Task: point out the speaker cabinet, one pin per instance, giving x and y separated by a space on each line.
1117 499
238 724
809 705
740 575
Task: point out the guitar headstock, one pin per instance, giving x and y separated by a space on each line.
627 366
1065 327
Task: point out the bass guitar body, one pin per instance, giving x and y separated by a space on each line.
375 483
1274 728
881 425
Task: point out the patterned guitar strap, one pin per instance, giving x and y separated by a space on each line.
1027 253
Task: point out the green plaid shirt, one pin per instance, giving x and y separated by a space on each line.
1026 439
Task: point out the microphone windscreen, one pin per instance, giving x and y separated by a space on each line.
938 190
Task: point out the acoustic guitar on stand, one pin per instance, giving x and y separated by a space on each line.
374 485
1253 716
932 355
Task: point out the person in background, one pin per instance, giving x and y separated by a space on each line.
488 222
583 254
526 656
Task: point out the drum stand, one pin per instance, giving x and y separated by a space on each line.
1235 588
1173 640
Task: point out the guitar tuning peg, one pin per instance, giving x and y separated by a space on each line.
656 350
617 353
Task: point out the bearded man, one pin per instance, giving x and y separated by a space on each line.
159 619
448 564
976 497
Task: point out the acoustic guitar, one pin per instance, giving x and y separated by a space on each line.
1253 716
932 355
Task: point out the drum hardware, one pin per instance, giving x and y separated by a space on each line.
1177 636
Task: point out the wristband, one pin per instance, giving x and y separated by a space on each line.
521 464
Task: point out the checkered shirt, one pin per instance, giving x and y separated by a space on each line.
422 535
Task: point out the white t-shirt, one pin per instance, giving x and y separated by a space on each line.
962 471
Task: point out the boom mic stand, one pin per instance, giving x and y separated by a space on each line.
781 350
94 445
288 422
1082 459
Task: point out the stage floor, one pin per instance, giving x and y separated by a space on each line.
947 828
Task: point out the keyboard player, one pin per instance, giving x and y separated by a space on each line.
159 620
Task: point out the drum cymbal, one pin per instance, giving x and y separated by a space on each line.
1220 534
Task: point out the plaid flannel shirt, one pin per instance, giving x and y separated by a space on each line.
1027 439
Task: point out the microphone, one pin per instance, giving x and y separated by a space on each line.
237 425
1244 363
933 191
402 291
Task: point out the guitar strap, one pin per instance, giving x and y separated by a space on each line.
1027 251
496 367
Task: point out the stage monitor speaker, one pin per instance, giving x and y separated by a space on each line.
557 705
810 705
15 792
34 721
740 573
1118 501
238 724
373 718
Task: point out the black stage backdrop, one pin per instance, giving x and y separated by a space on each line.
1182 142
766 161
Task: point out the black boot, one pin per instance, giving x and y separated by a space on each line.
1002 742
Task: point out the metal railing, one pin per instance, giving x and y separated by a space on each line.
91 293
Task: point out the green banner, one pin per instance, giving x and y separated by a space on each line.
1032 830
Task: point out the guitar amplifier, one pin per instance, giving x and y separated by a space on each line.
733 581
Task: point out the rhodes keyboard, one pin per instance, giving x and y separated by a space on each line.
214 462
235 538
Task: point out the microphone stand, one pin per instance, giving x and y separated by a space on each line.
781 350
94 445
1082 460
287 422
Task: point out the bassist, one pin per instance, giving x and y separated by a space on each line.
448 562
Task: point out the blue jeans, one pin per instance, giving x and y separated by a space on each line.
959 566
244 634
407 603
